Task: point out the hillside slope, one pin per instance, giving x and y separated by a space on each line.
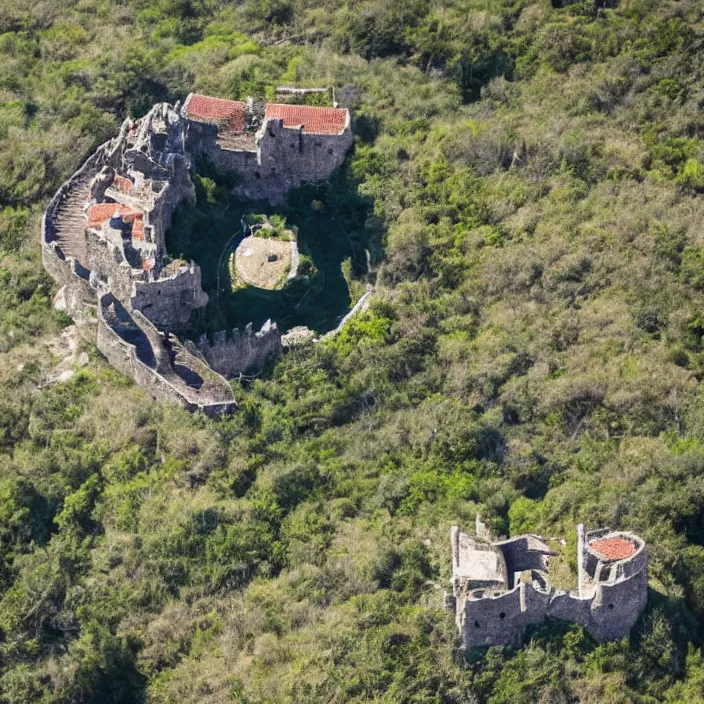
531 180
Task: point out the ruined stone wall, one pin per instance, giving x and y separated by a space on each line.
284 158
123 356
359 307
296 156
160 147
92 165
179 188
609 612
240 351
524 552
609 606
61 268
571 607
71 276
78 296
168 302
201 141
503 619
106 276
107 260
616 607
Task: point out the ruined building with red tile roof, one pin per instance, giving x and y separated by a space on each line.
272 147
499 588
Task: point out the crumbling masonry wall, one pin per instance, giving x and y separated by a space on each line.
114 258
240 351
612 599
299 157
169 301
70 275
179 188
102 270
125 358
202 142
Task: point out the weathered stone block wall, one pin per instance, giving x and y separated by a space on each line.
284 157
179 188
609 606
240 351
201 141
88 287
57 265
108 262
522 553
608 613
570 607
79 296
616 607
503 618
168 302
92 165
296 156
123 356
64 270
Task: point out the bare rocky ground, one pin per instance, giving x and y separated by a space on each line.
66 354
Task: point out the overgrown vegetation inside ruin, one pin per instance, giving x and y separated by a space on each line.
269 227
334 236
534 174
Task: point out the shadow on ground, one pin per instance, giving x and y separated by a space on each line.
334 225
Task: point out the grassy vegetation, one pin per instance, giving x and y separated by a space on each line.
528 181
273 227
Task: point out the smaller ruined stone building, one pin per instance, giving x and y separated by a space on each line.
499 588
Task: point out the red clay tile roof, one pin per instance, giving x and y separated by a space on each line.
216 111
613 548
123 184
138 227
102 212
315 120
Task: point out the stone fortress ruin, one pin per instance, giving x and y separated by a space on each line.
103 234
500 588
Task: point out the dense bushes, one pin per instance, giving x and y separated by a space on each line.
525 192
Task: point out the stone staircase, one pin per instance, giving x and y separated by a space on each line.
182 363
71 220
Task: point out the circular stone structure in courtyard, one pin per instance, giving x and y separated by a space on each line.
265 262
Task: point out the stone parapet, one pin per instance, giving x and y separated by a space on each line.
239 351
133 347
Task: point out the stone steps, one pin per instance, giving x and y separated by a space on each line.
71 221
